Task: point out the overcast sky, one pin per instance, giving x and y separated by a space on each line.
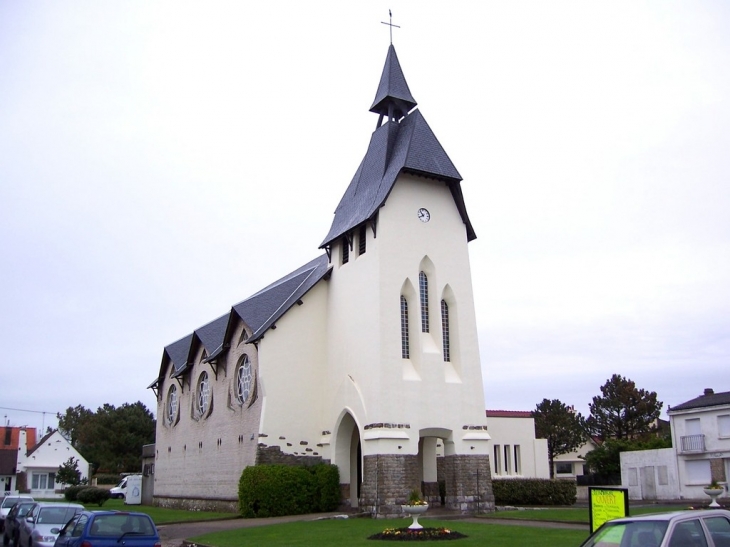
161 161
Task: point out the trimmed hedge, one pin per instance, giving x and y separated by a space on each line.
534 492
71 493
277 490
92 495
107 478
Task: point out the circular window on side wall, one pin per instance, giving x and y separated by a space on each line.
244 380
202 394
171 405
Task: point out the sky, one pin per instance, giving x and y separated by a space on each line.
161 161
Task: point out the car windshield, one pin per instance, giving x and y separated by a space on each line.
640 533
55 515
9 501
116 525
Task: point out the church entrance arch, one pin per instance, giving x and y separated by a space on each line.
347 456
431 445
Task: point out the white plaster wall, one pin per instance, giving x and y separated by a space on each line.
517 431
423 391
660 463
292 374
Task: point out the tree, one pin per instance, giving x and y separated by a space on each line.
623 411
605 460
68 473
111 438
69 424
563 428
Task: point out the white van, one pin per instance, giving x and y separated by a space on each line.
120 490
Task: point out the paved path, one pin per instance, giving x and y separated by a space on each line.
172 535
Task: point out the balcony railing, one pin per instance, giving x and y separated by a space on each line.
693 443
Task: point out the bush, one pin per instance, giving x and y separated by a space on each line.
534 492
107 478
92 495
326 487
277 490
71 493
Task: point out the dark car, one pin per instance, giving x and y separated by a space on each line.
109 529
12 522
7 504
694 528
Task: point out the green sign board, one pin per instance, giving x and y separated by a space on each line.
606 504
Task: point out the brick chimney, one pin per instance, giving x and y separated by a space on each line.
709 391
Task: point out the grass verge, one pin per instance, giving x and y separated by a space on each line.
354 533
161 515
573 514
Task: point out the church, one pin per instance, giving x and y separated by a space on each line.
366 357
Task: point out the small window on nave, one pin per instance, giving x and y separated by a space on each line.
244 379
171 405
202 394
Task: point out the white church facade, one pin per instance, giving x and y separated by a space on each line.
366 357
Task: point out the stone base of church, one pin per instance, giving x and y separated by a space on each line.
388 480
192 504
468 481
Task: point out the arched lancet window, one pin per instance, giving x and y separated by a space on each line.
405 347
203 393
243 380
445 330
423 290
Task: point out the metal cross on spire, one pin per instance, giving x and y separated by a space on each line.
391 25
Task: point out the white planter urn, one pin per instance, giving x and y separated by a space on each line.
415 511
714 493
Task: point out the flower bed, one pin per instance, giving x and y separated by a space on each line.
422 534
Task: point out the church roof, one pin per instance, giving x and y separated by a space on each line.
393 88
259 312
406 145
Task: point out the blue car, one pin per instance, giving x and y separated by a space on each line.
109 529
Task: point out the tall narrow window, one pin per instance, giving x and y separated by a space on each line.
518 460
445 330
345 251
362 240
423 290
507 460
497 463
405 348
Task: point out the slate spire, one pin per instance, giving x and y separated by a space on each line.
393 99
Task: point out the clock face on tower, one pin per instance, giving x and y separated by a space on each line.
424 215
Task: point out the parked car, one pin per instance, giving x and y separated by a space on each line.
12 522
109 529
7 504
45 520
693 528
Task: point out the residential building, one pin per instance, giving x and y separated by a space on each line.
515 452
700 453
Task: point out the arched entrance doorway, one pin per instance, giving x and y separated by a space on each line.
430 452
348 458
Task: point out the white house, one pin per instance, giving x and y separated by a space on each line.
573 464
515 451
700 453
365 357
40 464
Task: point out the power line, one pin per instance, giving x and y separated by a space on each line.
24 410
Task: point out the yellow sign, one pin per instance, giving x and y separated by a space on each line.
606 504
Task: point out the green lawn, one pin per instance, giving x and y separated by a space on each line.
354 532
164 516
573 514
